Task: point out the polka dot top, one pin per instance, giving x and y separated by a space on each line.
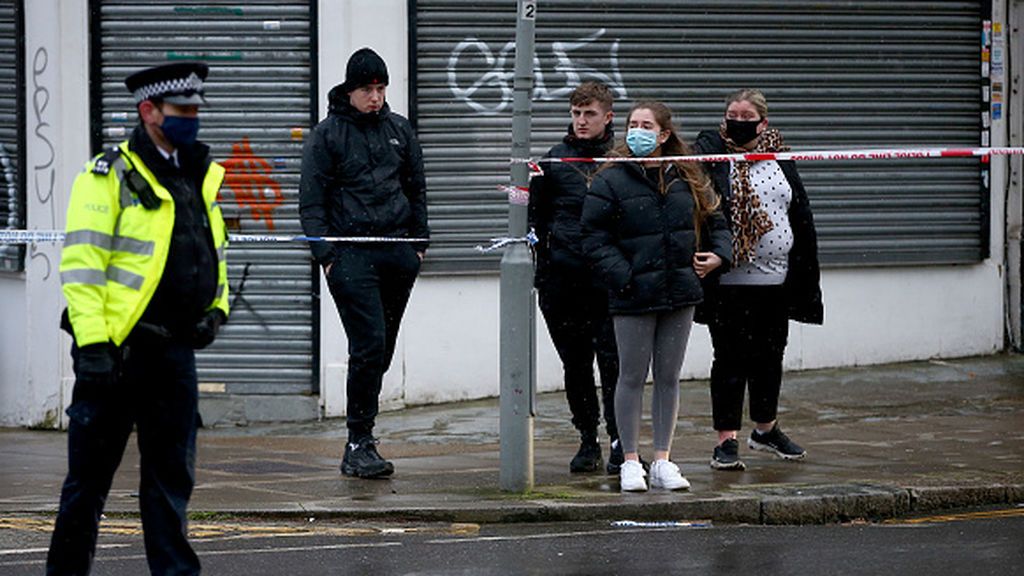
771 259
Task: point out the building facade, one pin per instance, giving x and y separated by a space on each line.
921 256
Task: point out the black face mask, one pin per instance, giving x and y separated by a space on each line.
741 131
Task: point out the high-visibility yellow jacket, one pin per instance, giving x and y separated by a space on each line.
115 249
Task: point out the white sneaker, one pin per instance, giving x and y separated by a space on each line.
631 477
665 474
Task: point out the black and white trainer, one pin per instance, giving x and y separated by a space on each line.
727 456
776 442
362 460
615 458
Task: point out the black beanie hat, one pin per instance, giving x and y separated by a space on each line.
364 67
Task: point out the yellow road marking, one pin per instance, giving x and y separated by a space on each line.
980 515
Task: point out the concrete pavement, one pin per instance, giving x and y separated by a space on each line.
882 441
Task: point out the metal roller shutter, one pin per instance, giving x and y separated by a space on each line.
868 73
260 93
12 133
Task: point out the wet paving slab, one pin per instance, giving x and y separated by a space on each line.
941 424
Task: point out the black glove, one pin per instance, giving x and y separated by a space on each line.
206 329
96 370
97 365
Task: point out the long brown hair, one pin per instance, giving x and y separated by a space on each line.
705 199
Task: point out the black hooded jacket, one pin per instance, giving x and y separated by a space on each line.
642 242
362 175
556 204
803 279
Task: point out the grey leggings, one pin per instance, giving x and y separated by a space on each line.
650 340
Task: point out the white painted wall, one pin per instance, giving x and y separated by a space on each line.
13 404
35 383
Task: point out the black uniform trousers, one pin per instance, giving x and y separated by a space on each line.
157 394
576 313
370 285
749 336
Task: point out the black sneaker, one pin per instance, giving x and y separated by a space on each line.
587 458
777 442
362 460
727 456
616 458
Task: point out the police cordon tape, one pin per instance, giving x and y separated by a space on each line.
530 238
57 236
879 154
518 194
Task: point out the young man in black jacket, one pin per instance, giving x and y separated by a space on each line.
573 301
362 176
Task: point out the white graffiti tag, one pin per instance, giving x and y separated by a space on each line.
496 80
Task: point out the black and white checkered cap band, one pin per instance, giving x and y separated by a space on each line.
191 84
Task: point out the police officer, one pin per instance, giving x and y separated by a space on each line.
362 176
144 275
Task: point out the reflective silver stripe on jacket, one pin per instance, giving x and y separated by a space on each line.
220 254
99 278
84 276
133 246
90 237
108 242
220 292
122 276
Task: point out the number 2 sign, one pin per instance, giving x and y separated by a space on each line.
529 11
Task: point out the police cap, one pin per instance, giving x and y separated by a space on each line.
178 83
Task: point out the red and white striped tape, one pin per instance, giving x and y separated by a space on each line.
877 154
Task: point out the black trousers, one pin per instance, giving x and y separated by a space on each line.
157 394
370 285
576 313
749 337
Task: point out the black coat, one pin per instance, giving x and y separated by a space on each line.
803 279
362 175
556 204
642 242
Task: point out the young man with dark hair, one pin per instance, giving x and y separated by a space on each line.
573 301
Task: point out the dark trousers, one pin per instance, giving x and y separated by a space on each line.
370 285
749 337
157 394
576 313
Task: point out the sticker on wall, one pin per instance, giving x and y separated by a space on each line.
115 132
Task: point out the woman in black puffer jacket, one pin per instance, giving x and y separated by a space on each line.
652 229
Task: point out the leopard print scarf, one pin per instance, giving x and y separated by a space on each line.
750 220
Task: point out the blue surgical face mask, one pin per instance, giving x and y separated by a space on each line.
180 131
641 141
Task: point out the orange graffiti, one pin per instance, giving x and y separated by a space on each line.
248 177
